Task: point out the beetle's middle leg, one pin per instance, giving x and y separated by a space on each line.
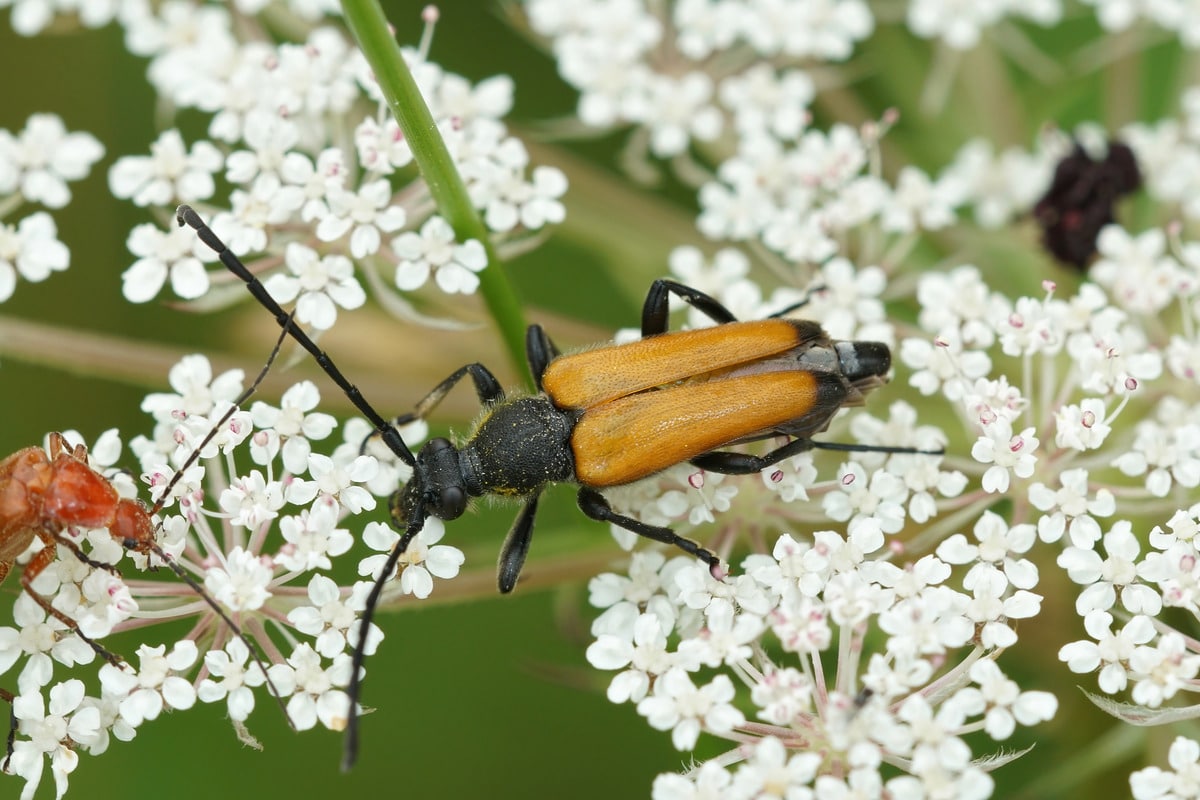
486 387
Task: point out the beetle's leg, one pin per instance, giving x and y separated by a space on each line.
42 559
731 463
486 386
516 546
801 303
844 447
13 724
539 351
82 556
656 307
59 444
596 506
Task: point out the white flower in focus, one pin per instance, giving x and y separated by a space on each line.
879 497
680 706
156 685
1160 672
1110 652
1116 574
30 250
170 174
381 148
999 547
366 215
644 652
435 251
424 559
162 255
51 732
336 481
332 620
267 202
43 157
1070 510
360 437
242 583
1006 704
196 390
271 136
251 500
296 422
1083 426
1005 451
312 538
322 283
237 677
316 696
315 182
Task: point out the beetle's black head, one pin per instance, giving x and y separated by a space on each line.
436 488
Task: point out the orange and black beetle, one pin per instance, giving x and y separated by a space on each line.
610 416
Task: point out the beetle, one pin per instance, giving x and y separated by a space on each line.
606 417
44 493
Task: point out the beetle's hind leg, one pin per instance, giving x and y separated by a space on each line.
539 351
487 388
728 462
112 569
13 725
596 506
656 308
40 561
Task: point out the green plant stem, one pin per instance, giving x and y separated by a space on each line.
375 38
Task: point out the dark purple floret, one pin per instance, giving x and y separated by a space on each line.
1080 200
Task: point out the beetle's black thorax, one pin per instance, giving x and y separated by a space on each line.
520 446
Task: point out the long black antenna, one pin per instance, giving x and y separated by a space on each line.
350 748
186 215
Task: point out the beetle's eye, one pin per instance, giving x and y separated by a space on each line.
452 502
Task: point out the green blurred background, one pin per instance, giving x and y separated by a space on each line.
490 698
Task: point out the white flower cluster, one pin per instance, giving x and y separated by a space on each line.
1078 414
862 645
1090 366
35 167
320 172
270 583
